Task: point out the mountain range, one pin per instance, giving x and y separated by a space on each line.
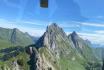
54 50
14 37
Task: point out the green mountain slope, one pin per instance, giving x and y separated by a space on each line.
82 47
13 37
98 51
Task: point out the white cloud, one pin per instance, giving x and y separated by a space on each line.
31 31
93 24
67 33
95 38
100 31
39 23
69 25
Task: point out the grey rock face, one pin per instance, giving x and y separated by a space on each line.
35 61
54 39
13 36
49 37
77 41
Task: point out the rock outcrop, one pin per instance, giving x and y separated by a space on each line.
37 60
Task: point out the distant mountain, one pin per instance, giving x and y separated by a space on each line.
14 37
82 46
32 37
97 45
99 52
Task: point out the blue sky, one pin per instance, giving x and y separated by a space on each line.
86 17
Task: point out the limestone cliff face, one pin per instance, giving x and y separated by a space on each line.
55 47
55 40
34 57
37 60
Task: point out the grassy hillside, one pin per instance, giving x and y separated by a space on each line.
13 37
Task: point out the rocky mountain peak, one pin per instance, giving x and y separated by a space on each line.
53 28
15 29
74 37
74 34
53 31
54 25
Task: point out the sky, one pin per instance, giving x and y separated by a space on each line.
86 17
